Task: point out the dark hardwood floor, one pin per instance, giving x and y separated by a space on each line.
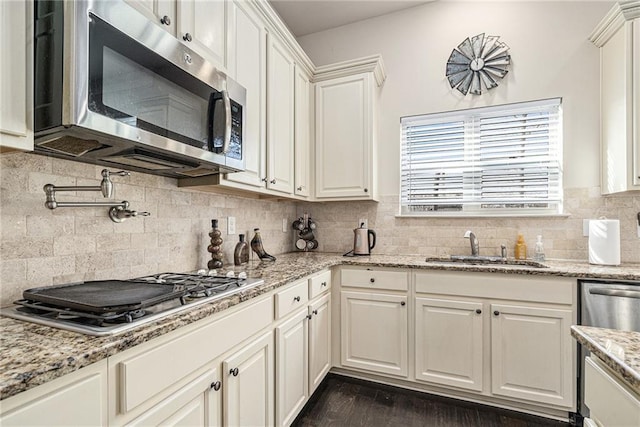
343 401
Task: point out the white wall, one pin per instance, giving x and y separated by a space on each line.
551 57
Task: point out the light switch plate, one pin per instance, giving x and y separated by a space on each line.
231 225
585 227
285 225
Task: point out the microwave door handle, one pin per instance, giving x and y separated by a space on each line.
227 124
615 293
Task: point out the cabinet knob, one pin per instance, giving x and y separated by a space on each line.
273 181
264 179
234 372
496 313
372 280
478 311
216 385
187 37
366 190
165 20
315 311
323 284
402 303
300 188
309 316
296 299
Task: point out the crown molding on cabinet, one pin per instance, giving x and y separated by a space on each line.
620 13
278 26
367 64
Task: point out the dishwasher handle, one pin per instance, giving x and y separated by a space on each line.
615 292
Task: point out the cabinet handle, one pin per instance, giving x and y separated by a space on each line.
496 313
372 280
296 299
165 20
234 372
366 190
187 37
273 181
323 284
315 311
216 385
402 303
478 311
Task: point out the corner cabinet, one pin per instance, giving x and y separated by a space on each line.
618 37
16 71
346 96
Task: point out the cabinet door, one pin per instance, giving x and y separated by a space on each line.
344 137
15 75
160 12
292 367
302 133
319 341
202 25
280 116
531 354
196 404
636 104
248 66
248 385
76 399
374 332
441 359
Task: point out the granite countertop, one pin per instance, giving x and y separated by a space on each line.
32 354
620 350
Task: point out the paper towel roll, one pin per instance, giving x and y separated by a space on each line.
604 241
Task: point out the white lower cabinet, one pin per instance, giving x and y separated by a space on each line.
76 399
248 385
531 356
292 367
439 357
374 332
319 341
611 402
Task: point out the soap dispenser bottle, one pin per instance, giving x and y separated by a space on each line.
538 254
521 248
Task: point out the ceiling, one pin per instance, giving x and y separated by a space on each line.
310 16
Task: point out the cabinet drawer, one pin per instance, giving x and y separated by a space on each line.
319 284
153 369
291 298
375 279
610 402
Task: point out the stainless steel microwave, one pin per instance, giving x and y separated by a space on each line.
113 88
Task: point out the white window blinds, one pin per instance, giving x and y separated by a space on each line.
499 160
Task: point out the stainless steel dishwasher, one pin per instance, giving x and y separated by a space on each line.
606 304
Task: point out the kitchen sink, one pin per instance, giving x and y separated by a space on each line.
485 260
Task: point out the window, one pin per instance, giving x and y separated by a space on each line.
490 161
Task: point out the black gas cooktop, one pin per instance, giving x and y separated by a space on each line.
107 307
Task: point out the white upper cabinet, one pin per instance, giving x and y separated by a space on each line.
160 12
302 174
280 116
248 66
618 37
202 25
16 47
346 97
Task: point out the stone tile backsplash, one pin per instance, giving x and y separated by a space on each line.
40 247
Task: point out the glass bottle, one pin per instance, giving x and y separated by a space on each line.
521 248
538 254
241 252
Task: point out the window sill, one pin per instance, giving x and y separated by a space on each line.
468 215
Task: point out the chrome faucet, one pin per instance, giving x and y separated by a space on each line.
475 245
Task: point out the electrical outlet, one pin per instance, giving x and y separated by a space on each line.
285 225
363 221
231 225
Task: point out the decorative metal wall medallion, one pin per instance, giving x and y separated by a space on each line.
478 61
